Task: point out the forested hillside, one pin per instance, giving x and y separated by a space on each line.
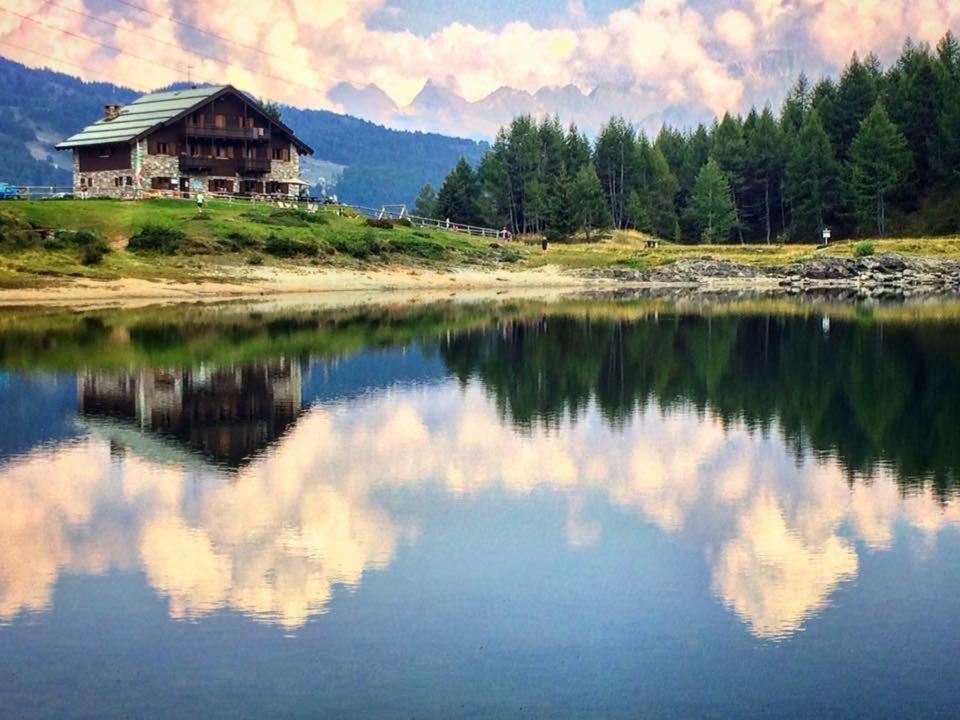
41 107
876 152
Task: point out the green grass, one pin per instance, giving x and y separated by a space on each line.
181 245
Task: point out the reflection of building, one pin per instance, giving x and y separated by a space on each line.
225 413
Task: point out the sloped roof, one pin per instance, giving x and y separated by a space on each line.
151 111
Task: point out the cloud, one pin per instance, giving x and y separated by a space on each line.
662 52
736 29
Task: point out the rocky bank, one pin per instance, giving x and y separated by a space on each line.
878 274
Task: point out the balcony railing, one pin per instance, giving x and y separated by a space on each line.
228 133
192 162
253 164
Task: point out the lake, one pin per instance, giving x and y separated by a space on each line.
647 507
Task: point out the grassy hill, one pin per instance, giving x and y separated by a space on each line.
167 239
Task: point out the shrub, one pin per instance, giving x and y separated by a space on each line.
427 249
287 218
380 224
863 249
237 241
15 232
94 253
157 239
285 247
255 259
362 247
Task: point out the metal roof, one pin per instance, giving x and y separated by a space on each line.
140 116
150 111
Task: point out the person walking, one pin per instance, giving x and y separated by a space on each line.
200 203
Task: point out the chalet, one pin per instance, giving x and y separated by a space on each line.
214 139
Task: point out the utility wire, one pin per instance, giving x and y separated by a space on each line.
54 59
178 71
175 46
222 38
89 39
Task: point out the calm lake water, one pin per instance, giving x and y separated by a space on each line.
605 509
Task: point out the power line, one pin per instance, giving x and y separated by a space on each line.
89 39
54 59
175 46
187 25
178 71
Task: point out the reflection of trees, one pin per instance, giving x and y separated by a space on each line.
870 393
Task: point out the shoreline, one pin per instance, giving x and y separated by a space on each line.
874 277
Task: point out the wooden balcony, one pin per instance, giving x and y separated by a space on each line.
191 162
228 133
253 165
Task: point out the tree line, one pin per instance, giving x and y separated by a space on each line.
873 153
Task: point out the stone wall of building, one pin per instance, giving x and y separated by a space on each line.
152 166
285 170
104 183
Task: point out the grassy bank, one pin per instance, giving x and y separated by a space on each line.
43 242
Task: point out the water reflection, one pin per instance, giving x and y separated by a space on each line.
230 488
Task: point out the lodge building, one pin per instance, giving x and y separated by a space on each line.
211 139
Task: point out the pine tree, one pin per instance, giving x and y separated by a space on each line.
857 92
812 176
729 149
657 188
880 159
426 203
576 151
616 161
561 221
588 202
458 199
711 207
765 160
796 106
914 96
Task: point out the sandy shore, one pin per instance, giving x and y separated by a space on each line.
264 282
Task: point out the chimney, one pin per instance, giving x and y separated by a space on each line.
111 112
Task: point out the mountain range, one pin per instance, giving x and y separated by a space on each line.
363 162
766 78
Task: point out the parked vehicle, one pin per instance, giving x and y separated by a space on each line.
8 192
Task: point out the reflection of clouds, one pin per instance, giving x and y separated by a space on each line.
274 539
773 577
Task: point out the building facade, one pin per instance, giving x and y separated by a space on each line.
214 140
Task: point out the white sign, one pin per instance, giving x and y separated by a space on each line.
826 235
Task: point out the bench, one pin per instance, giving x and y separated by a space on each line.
651 244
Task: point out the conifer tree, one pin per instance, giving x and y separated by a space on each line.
765 153
588 202
458 198
880 158
711 206
729 149
616 160
812 176
426 202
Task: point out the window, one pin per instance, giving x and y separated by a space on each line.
220 121
160 183
106 151
121 181
162 148
220 185
221 152
281 153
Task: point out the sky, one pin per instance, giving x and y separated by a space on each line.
718 55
